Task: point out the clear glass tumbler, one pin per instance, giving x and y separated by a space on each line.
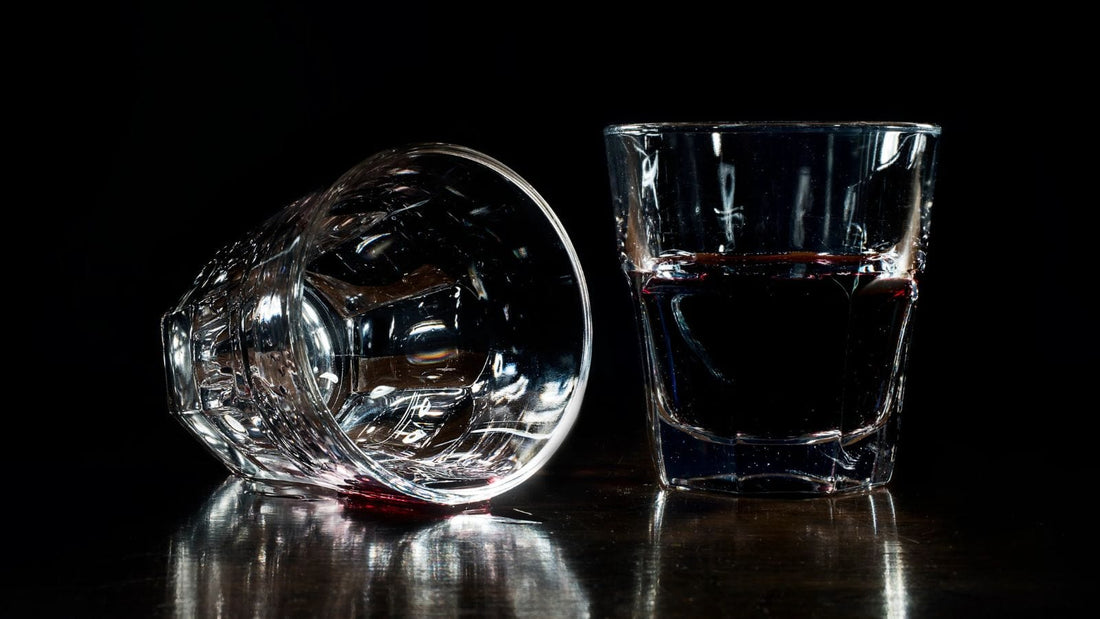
774 267
419 330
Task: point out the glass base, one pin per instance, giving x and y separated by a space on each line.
689 461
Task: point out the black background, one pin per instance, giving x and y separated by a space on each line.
157 137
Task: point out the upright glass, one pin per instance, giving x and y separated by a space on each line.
774 268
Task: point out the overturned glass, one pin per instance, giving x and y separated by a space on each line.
421 330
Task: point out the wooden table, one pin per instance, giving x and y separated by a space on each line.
578 540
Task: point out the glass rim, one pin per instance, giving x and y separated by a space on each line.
317 205
769 126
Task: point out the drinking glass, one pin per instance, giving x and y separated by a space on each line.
421 330
774 268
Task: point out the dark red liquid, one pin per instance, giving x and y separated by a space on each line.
775 347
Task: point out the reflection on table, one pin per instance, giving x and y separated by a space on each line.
831 545
607 545
248 554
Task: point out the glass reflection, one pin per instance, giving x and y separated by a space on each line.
249 554
762 547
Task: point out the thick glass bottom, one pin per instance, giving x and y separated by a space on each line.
818 466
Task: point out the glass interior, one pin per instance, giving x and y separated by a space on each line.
444 318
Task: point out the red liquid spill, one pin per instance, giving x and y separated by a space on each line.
376 499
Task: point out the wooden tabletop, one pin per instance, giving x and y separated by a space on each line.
597 540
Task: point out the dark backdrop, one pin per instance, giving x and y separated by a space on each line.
160 136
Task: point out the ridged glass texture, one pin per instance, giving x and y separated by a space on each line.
421 329
774 268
